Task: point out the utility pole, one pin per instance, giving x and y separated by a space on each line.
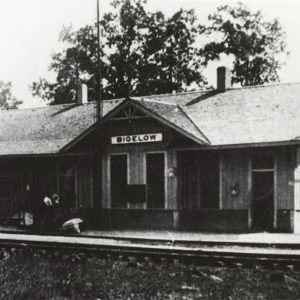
99 103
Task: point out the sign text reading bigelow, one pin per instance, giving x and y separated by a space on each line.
138 138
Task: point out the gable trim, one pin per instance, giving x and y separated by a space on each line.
184 112
148 112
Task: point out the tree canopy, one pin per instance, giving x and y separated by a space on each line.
141 53
146 53
7 100
258 46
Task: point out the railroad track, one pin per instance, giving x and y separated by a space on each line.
218 255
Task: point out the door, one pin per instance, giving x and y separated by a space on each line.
118 177
263 195
155 178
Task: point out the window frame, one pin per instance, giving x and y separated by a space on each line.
109 176
165 153
219 185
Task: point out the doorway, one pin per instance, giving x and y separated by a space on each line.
118 180
262 193
155 178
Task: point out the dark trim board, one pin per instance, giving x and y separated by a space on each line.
214 220
230 221
239 146
137 219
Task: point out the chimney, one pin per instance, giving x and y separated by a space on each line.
82 94
223 79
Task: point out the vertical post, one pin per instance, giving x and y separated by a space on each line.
221 183
297 192
172 187
99 103
275 190
249 192
99 107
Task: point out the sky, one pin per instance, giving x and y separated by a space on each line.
29 31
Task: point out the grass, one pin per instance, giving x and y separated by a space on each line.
42 275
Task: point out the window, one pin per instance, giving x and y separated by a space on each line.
118 180
68 185
262 163
198 180
155 178
209 165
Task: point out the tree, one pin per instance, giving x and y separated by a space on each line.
142 53
7 100
75 64
171 60
258 46
151 54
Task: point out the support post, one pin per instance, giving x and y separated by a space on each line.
297 192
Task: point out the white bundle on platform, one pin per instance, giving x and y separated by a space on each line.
72 224
28 219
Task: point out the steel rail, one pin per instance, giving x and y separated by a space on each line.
208 256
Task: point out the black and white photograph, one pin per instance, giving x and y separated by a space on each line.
149 150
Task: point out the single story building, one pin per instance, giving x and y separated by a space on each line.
225 160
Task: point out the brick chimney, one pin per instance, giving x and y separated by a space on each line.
223 79
82 93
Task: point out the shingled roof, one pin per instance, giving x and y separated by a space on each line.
45 130
173 114
252 115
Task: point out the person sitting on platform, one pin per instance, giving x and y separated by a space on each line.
50 205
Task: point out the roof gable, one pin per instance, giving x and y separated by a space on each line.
169 114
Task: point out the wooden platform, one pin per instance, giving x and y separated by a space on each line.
271 242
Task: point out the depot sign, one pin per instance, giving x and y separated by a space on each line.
139 138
